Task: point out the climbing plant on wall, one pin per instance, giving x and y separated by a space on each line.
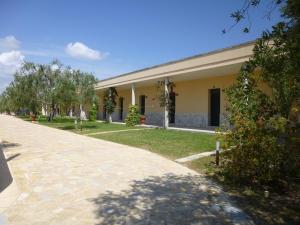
110 103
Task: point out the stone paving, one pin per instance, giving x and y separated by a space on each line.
194 157
64 178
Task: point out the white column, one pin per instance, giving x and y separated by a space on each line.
132 94
166 110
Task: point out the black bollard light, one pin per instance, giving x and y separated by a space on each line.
217 153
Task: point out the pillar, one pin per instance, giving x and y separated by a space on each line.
132 94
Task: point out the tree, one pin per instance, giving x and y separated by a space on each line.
164 96
110 101
84 89
48 76
65 92
23 91
264 129
52 87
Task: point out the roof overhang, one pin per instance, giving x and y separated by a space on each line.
217 63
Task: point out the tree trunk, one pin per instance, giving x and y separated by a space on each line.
109 118
167 106
82 113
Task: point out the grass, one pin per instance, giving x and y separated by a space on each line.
169 143
279 208
87 126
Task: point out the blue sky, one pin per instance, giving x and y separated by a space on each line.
112 37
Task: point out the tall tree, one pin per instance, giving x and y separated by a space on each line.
85 91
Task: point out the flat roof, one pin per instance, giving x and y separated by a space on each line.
197 56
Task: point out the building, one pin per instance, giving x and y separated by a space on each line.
197 99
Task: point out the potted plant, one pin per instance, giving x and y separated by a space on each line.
33 117
142 119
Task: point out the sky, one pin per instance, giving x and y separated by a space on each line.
110 37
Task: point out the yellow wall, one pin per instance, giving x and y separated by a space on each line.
193 95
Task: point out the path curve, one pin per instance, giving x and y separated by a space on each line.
66 178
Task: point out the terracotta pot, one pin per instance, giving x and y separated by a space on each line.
142 119
33 118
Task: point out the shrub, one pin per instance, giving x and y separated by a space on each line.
62 119
257 150
93 113
42 118
133 117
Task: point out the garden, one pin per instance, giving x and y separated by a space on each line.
169 143
259 163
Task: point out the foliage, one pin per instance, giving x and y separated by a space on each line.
84 88
93 113
41 118
110 103
262 131
133 117
53 87
163 96
243 14
63 119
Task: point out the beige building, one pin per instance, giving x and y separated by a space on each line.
197 98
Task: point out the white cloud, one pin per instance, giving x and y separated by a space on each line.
10 62
80 50
9 43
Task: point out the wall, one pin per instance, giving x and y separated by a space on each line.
192 101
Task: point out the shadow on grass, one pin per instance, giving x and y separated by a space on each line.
169 199
5 175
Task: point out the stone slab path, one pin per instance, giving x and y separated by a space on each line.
194 157
114 131
64 178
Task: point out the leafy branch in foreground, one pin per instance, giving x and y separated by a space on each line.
264 129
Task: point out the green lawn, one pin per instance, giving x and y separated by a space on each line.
87 127
281 207
169 143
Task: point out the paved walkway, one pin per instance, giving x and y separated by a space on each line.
114 131
194 157
64 178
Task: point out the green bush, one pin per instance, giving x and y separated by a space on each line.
257 151
42 118
133 117
93 113
62 119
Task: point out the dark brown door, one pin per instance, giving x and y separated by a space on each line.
104 110
215 107
121 101
172 107
142 104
